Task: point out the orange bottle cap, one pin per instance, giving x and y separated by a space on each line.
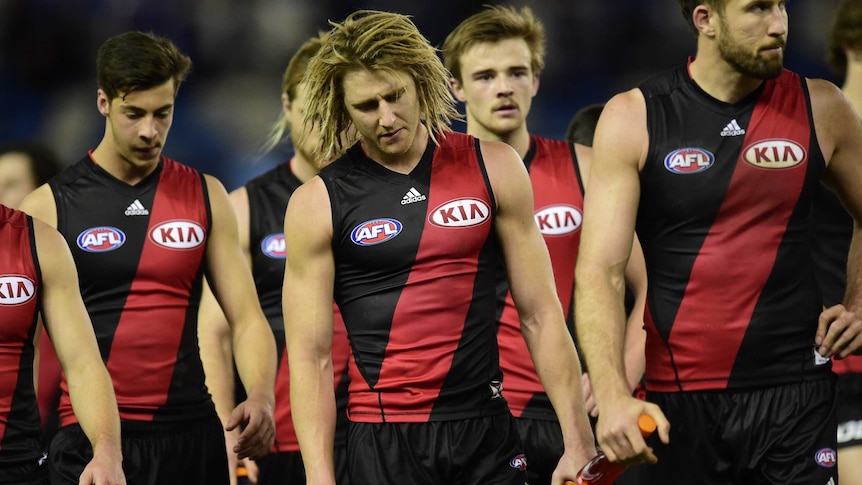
646 424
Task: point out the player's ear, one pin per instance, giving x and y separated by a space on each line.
103 104
457 89
705 20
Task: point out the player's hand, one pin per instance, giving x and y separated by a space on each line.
230 441
251 468
839 332
258 435
104 469
569 465
619 436
589 399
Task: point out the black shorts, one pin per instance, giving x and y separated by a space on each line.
278 468
774 435
476 451
30 472
543 446
188 453
342 474
849 405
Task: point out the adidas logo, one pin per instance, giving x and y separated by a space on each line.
137 209
831 481
732 129
412 196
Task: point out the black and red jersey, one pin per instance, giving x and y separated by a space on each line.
268 196
558 206
415 258
140 257
20 282
725 224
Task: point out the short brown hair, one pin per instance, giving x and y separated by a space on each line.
846 33
493 24
375 41
137 61
687 7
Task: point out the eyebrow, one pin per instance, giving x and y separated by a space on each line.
482 72
138 109
367 103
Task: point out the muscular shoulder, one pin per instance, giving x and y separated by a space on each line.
41 205
52 250
309 215
836 123
621 132
828 103
311 198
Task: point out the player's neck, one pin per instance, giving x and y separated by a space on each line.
518 139
302 168
131 172
852 87
719 79
404 162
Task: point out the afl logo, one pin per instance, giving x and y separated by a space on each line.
101 239
375 231
558 220
688 160
826 457
178 235
465 212
16 289
774 154
519 462
273 246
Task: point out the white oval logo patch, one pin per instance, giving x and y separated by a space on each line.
178 234
688 160
101 239
273 246
826 457
375 231
774 154
16 289
558 220
465 212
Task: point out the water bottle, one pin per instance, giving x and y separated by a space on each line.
242 476
600 470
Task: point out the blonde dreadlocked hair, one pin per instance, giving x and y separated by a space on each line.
374 41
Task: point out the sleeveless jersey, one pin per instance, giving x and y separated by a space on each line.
20 282
415 259
139 252
725 224
268 195
558 209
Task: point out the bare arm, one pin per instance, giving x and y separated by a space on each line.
610 208
532 284
90 386
839 133
253 343
307 303
636 280
214 335
635 337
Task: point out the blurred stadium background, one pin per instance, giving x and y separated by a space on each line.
241 47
